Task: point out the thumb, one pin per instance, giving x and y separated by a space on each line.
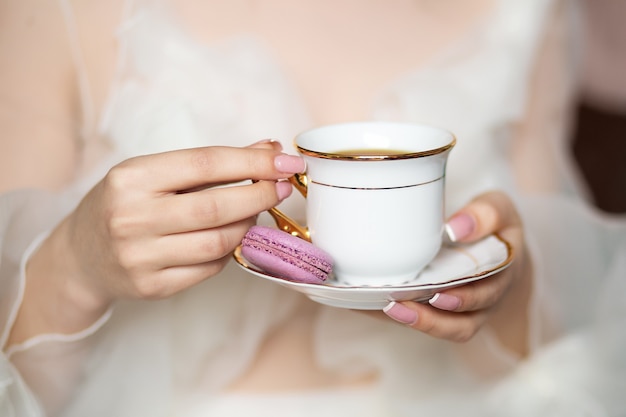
486 214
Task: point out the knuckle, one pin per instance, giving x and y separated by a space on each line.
464 334
496 290
472 300
123 223
494 211
218 245
123 175
146 288
468 326
260 161
478 297
128 258
487 216
216 267
265 194
118 225
494 296
460 328
140 282
426 324
120 219
208 210
205 160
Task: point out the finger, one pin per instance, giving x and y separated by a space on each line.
270 144
475 296
190 168
181 278
216 207
267 144
486 214
458 327
169 281
200 246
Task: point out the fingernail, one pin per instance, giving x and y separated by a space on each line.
400 313
283 189
460 226
289 163
445 302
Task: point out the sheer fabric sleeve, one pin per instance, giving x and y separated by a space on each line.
16 398
40 373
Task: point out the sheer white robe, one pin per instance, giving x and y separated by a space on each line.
173 357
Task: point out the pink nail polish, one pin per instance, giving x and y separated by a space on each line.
445 302
460 226
400 313
283 189
289 163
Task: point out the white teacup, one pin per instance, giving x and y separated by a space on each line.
374 198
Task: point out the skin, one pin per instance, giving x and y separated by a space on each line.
136 235
497 302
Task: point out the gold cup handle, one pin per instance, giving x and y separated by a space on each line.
286 223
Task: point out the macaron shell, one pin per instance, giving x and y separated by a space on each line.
283 265
287 256
294 246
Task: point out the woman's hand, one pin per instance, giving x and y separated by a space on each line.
500 300
155 225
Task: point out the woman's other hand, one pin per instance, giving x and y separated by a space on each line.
500 301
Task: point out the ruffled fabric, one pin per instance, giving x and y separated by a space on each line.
476 89
176 356
172 92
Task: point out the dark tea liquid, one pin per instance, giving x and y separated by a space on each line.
371 152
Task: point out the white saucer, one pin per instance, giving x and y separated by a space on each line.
454 265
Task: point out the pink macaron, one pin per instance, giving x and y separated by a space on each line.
286 256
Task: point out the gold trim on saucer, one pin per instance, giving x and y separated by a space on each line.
459 280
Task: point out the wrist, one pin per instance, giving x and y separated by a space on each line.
510 321
56 298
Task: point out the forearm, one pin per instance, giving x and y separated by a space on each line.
46 344
52 300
